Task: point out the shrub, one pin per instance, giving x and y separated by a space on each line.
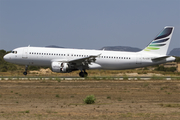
33 68
108 97
90 99
177 59
27 111
3 70
57 96
162 68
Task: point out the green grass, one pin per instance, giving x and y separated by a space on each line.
145 85
157 78
119 99
27 111
125 77
170 105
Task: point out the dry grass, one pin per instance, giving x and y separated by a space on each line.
51 100
92 73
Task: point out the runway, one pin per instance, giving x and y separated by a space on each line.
91 78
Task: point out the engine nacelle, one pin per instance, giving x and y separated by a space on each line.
60 67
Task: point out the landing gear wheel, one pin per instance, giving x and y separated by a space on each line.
85 74
81 74
25 73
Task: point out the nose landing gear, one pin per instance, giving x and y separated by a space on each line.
25 72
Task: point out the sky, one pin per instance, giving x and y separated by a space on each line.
87 24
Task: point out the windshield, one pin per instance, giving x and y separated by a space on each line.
15 52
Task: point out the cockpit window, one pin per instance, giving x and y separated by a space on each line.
15 52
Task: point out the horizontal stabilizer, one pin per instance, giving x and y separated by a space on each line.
160 58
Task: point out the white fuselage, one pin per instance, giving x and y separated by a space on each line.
115 60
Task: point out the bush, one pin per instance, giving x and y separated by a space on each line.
33 68
162 68
57 96
90 99
12 67
177 59
3 70
172 69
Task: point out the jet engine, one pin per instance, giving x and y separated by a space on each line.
60 67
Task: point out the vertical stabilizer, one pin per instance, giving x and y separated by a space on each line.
161 43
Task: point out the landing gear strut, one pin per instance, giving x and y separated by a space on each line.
25 72
83 74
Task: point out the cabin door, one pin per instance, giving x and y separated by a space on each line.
138 59
25 53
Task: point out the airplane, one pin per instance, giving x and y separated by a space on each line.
64 60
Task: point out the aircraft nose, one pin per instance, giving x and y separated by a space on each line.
6 57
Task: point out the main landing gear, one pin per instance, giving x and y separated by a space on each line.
83 74
25 72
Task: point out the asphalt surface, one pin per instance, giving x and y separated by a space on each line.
91 78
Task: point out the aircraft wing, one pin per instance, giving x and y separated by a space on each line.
83 61
89 59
